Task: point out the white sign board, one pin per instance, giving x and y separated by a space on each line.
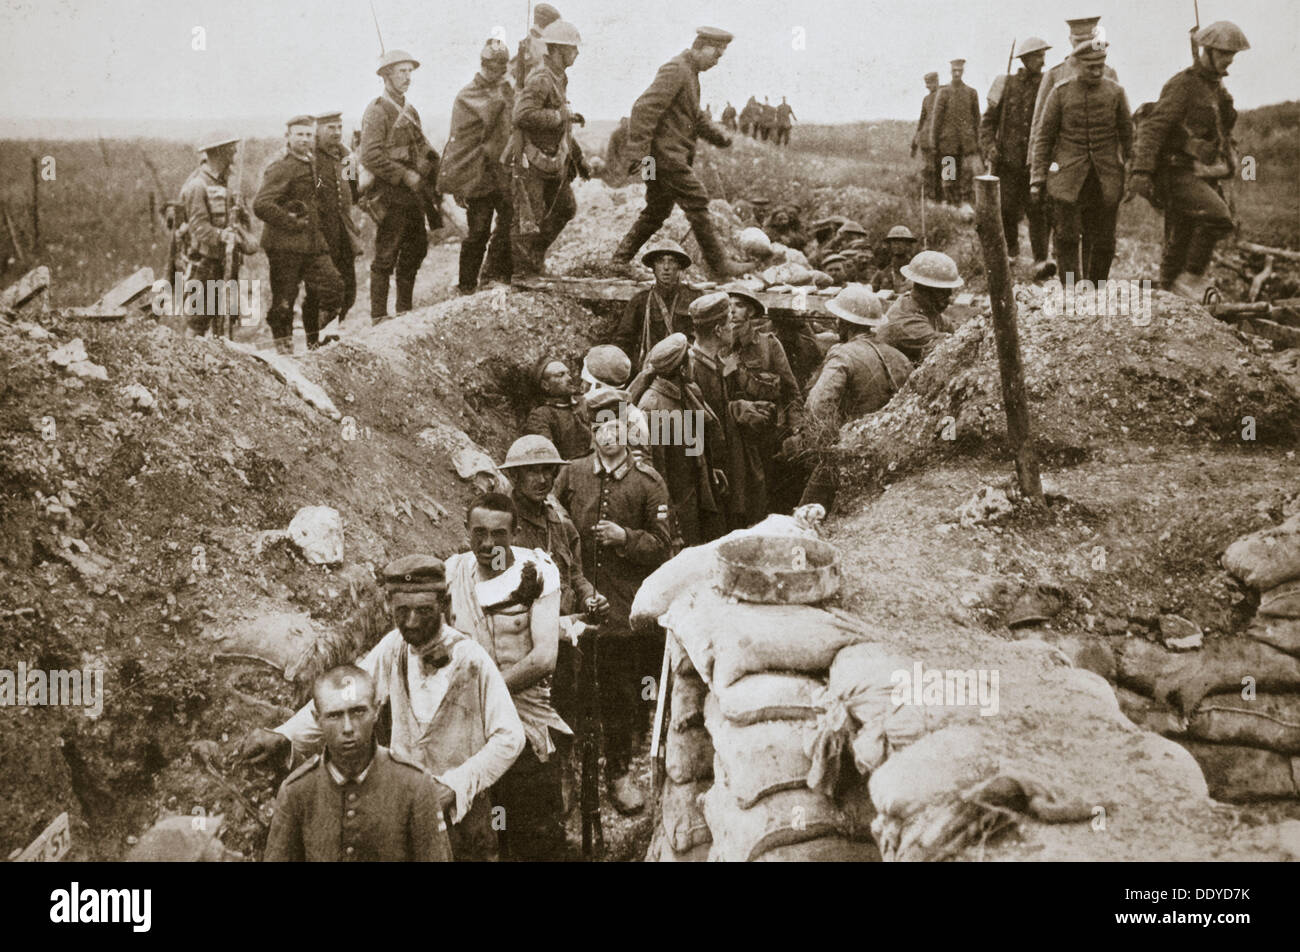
51 846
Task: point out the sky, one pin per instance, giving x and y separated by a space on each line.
836 60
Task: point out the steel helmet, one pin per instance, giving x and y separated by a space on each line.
532 450
1222 35
393 57
561 33
850 227
900 233
666 247
857 304
934 269
218 140
1031 44
745 294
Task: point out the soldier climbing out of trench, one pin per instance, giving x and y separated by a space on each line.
666 121
1184 155
543 155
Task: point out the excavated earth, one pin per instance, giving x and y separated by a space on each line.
131 538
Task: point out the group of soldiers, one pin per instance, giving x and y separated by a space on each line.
500 653
1064 145
761 121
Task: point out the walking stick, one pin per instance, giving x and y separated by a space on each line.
661 705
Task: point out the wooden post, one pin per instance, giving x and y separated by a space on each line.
988 224
153 212
36 205
13 235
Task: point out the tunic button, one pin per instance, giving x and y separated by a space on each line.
350 850
352 813
351 797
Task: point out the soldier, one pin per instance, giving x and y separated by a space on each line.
860 375
620 506
607 367
916 324
666 120
954 135
823 233
562 416
1184 155
783 225
766 401
507 598
729 116
785 119
357 801
471 168
293 240
543 153
799 344
532 48
923 137
212 221
837 266
532 464
767 120
395 153
450 708
659 310
749 118
902 246
342 236
1081 30
681 458
711 322
1085 136
1005 135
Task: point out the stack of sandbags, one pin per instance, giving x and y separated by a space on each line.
682 832
763 726
1235 704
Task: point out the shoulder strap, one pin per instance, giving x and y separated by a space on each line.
893 384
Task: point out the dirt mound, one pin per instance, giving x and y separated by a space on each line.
1181 378
134 518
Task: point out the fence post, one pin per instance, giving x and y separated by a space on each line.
36 204
988 224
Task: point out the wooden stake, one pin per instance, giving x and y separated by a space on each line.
13 236
988 224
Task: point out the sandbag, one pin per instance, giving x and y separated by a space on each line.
935 766
1243 774
1271 721
1183 679
661 851
688 755
694 567
686 702
1266 559
1150 714
761 759
782 819
682 816
1282 601
754 242
769 696
826 849
679 660
1280 633
862 677
742 639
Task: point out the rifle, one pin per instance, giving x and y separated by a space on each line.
589 733
1002 110
1191 36
237 215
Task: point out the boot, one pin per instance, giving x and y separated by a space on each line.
624 794
1044 269
722 266
283 345
1194 287
378 296
405 292
637 235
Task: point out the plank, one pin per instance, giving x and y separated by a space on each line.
1278 333
128 292
28 286
98 312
